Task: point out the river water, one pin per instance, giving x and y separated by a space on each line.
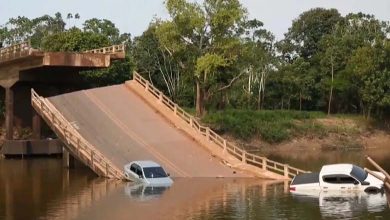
40 188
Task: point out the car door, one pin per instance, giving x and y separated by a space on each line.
348 183
339 182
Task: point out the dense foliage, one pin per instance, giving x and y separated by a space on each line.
271 126
210 55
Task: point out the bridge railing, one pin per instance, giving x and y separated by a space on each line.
80 147
108 50
15 51
259 161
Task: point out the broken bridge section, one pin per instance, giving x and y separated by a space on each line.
135 121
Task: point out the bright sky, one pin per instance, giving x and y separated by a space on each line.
134 15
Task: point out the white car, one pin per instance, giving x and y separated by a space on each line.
147 172
338 177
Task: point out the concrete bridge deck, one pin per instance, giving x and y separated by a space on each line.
109 127
123 127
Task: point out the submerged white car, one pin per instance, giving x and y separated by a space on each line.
147 172
338 177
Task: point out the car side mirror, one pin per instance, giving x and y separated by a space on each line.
140 176
356 182
365 183
168 174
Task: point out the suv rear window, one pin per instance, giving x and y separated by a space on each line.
358 173
154 172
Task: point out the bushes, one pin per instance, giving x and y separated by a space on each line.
271 126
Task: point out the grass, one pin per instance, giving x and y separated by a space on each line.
271 126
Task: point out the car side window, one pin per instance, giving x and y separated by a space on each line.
346 180
133 168
338 179
330 179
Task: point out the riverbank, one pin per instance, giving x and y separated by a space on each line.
292 130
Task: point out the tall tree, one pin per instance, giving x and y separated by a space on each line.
307 31
209 36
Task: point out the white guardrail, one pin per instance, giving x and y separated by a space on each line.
15 51
80 147
249 158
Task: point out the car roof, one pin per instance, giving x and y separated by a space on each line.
342 168
146 163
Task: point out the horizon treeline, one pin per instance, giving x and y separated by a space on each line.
211 56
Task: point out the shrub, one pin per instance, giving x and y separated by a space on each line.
271 126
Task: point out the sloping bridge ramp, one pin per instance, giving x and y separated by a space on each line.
109 127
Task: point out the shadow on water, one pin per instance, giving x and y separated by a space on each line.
42 189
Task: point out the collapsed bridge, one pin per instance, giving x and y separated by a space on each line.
107 127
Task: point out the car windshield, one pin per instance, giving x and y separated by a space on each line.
154 172
358 173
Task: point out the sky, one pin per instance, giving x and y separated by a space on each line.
133 16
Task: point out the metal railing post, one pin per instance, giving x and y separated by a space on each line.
243 158
175 109
160 97
92 160
264 163
147 86
224 146
208 133
286 170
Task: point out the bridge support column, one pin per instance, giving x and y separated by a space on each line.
36 126
69 161
65 158
9 113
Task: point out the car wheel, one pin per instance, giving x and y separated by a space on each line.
372 190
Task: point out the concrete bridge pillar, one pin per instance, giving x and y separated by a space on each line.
36 126
9 113
69 161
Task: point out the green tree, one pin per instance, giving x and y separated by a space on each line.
208 38
74 39
307 31
103 27
21 29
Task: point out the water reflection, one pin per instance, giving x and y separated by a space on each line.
42 189
145 192
344 205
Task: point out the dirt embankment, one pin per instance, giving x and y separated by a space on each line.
340 134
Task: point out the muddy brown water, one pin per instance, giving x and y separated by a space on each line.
40 188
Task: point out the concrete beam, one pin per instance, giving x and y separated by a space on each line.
76 59
9 113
